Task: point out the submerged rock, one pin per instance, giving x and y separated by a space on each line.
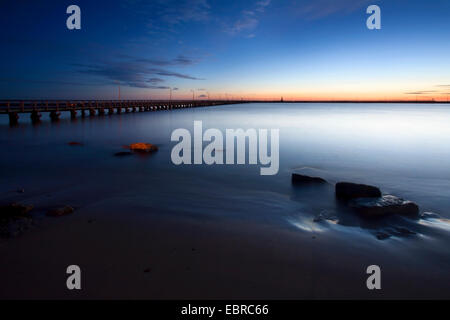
14 210
59 212
302 179
403 231
14 219
382 235
385 205
348 190
143 147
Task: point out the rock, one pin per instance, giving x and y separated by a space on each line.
59 212
20 190
403 231
143 147
14 210
123 154
347 191
14 219
302 179
382 236
385 205
73 143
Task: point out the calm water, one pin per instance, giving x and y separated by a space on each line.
403 149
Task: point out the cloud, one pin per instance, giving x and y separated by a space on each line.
180 60
442 90
173 74
261 5
317 9
202 96
422 92
137 72
177 12
50 82
163 14
155 80
249 19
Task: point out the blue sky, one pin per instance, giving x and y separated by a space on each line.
260 49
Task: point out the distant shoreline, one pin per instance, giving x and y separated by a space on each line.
3 101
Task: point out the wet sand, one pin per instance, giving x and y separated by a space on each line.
131 252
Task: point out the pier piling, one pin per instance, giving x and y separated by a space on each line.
35 116
54 115
13 118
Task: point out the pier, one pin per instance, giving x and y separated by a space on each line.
52 109
84 108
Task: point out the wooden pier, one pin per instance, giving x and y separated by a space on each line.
53 108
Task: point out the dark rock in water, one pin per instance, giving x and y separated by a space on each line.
20 190
382 236
14 219
59 212
302 179
14 210
142 147
403 231
382 206
123 154
347 190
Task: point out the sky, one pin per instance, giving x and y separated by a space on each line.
246 49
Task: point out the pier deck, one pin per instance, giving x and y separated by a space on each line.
54 108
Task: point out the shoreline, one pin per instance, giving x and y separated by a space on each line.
130 252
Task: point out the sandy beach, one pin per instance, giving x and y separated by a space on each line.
131 252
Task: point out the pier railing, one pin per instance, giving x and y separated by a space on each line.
95 107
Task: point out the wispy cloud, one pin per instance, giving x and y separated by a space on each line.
186 11
422 92
178 61
317 9
162 15
138 72
442 89
249 19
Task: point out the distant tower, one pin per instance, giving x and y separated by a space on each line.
281 99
